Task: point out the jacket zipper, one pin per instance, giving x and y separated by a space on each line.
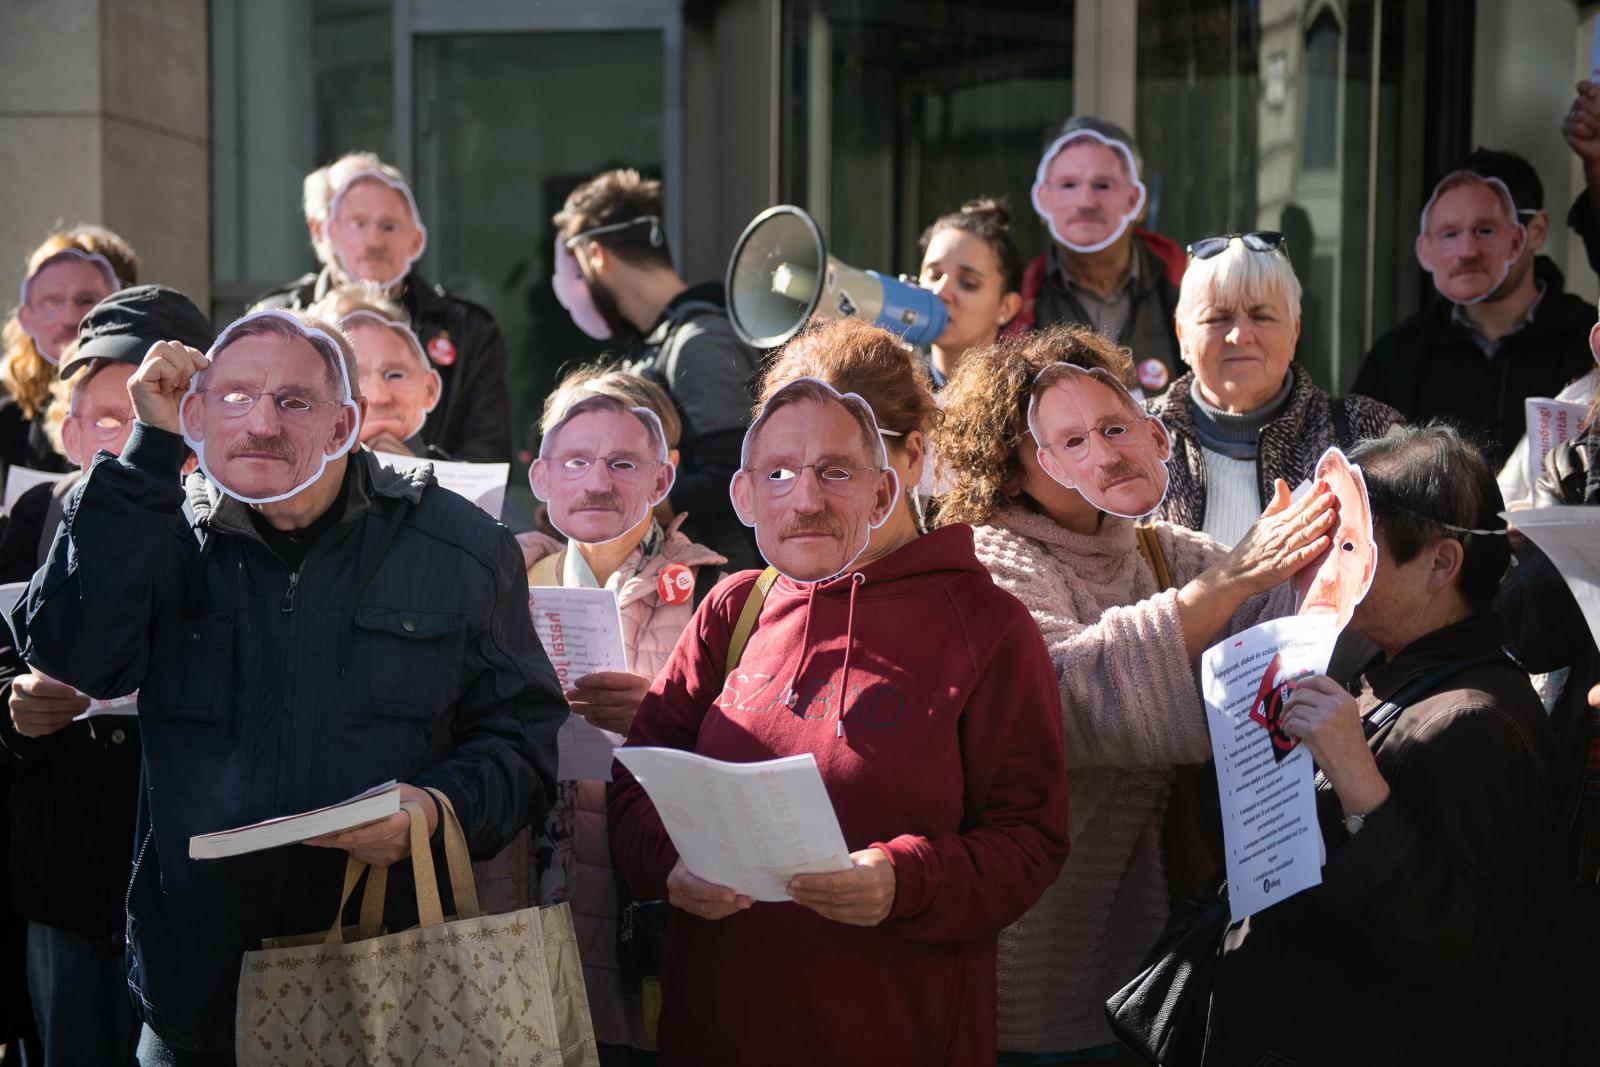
127 898
282 782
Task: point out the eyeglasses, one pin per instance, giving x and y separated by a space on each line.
1076 446
55 305
236 403
105 425
834 477
1255 241
622 468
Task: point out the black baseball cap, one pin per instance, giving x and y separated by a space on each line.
124 325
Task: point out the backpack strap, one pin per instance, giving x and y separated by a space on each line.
1339 411
1154 558
747 618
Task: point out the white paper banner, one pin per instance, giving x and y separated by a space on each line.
482 483
581 631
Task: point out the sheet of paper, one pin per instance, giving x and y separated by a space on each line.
19 480
1550 422
482 483
1594 51
10 593
581 630
1269 816
1570 536
748 826
376 803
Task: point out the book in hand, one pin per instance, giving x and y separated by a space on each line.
379 802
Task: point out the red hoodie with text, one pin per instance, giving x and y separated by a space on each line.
948 757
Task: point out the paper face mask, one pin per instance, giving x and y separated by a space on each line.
56 297
1470 236
814 480
397 379
374 228
272 409
1337 582
1094 437
601 469
572 292
1087 190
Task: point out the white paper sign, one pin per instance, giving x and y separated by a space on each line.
19 480
1269 812
482 483
581 631
1550 422
748 826
1570 536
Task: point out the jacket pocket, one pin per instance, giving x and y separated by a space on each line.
191 660
413 660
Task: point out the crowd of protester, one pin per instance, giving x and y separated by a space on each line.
1036 808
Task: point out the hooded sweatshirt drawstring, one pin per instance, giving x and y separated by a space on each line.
791 698
857 580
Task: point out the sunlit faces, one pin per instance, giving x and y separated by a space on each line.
374 229
100 415
1093 437
1087 190
57 296
963 270
601 469
1470 236
400 385
815 480
272 410
1344 573
1240 351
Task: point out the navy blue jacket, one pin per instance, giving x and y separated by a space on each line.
401 648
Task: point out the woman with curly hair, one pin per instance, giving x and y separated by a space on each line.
1124 644
66 277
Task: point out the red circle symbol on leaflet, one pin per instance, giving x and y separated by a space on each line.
675 584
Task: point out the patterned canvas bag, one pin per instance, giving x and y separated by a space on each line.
501 989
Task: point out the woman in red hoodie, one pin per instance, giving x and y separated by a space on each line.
943 762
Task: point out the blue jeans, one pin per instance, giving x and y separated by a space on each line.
80 997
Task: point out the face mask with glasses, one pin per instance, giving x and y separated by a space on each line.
834 477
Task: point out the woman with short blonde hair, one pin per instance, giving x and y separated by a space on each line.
1246 414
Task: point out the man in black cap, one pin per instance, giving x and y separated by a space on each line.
1473 364
77 782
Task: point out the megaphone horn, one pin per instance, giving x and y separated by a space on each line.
780 276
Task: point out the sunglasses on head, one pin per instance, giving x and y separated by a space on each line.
1255 241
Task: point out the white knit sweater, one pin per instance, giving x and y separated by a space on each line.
1131 710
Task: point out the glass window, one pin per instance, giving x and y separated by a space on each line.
897 113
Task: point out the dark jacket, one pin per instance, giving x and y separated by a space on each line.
693 353
23 442
472 421
401 648
1427 940
1428 366
1581 220
1149 332
1288 447
75 791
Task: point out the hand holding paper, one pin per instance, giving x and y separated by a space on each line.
388 840
42 706
861 896
1323 715
695 895
608 700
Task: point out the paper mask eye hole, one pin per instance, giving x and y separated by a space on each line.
781 475
294 405
1348 546
108 423
1075 442
576 463
623 466
237 398
1112 432
835 474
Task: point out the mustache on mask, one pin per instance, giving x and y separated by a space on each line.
277 447
610 501
819 522
1124 468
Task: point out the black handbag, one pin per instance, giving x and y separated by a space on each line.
1163 1014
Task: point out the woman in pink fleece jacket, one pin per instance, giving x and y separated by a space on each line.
1124 652
942 761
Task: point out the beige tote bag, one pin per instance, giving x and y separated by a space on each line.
492 989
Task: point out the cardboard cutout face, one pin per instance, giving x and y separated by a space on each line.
1087 190
374 228
1470 236
57 296
100 415
270 412
572 293
601 469
814 480
397 379
1340 579
1094 437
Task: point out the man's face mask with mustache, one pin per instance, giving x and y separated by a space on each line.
56 297
374 229
1093 437
1470 237
270 412
400 385
1087 190
601 469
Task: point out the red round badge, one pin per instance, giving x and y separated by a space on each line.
675 584
1153 374
441 350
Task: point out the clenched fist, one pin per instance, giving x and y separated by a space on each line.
157 387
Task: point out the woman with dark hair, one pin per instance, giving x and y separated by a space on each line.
971 262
